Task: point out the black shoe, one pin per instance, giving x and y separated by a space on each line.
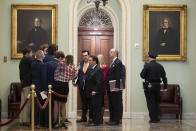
158 119
90 121
112 123
81 120
154 121
67 121
64 125
120 121
108 122
55 125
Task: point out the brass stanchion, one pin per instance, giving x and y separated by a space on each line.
50 108
32 106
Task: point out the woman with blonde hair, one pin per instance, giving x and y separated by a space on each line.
104 67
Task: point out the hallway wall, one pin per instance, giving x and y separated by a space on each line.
182 73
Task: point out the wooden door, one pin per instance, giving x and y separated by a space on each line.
98 41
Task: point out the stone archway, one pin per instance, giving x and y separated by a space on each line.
125 49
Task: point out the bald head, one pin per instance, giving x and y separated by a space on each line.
40 55
113 53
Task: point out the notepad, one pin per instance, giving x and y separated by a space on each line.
112 84
44 96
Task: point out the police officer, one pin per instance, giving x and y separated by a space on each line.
152 73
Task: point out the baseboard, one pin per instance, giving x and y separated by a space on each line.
126 115
140 115
186 116
189 116
4 114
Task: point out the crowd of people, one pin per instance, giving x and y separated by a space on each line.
92 76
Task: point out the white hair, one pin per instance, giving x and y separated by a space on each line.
115 50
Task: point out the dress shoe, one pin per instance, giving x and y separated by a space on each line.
81 120
64 125
120 121
67 121
112 123
55 125
154 121
37 127
21 123
90 121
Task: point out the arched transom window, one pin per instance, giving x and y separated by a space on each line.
95 18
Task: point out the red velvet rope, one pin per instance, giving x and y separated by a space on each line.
59 95
45 104
17 114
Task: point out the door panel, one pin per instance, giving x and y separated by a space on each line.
103 46
85 43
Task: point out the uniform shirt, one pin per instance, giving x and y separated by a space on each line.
64 72
153 72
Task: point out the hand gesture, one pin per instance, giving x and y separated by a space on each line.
163 89
93 93
116 89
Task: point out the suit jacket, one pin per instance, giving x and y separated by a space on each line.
95 82
39 74
114 73
25 71
81 76
51 67
48 57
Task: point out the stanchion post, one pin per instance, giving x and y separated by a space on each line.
50 107
32 106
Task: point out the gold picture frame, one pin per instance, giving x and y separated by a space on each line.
32 26
164 31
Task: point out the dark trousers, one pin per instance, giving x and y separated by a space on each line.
85 105
96 104
152 98
41 117
115 106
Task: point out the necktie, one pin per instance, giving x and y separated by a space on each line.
85 68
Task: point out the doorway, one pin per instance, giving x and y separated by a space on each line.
98 41
95 34
121 35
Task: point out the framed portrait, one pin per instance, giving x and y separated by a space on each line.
164 31
32 27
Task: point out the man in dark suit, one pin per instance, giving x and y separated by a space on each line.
95 91
39 79
25 78
115 96
82 75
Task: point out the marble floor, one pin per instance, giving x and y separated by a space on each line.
127 125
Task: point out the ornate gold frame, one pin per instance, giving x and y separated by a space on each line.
15 8
183 24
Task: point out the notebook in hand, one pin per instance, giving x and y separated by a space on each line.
112 85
